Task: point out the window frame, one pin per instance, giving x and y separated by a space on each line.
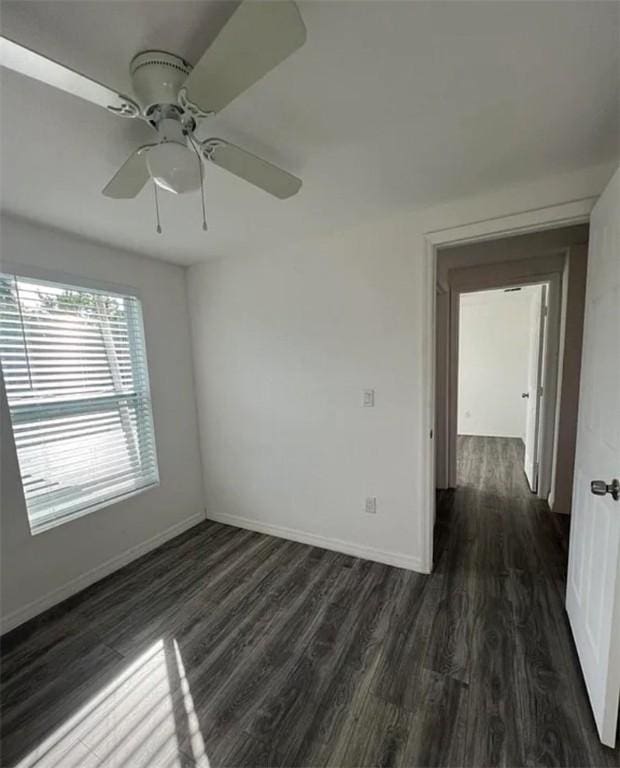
69 280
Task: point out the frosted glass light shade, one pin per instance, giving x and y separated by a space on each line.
173 167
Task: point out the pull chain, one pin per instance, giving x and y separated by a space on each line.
158 227
202 185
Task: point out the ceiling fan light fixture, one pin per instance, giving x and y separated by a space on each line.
171 96
173 167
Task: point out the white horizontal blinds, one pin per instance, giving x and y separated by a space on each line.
76 377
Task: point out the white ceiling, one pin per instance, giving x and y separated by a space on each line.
388 105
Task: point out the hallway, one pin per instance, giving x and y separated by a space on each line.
501 558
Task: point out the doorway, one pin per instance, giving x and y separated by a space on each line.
501 353
545 273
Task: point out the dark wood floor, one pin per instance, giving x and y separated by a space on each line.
226 647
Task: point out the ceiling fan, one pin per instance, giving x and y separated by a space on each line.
173 97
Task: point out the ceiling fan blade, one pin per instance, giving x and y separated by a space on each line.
258 36
251 168
130 177
26 62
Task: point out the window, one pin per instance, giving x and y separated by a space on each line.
74 367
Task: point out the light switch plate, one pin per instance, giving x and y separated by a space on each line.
371 505
369 398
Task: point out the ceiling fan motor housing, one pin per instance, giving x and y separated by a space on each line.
157 77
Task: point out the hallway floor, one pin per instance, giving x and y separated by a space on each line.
227 647
503 555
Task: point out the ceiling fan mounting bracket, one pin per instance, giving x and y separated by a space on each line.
127 108
209 147
188 106
157 77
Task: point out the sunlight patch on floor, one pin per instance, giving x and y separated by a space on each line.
137 720
198 751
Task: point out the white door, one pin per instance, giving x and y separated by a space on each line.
593 589
534 391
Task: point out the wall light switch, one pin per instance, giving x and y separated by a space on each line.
369 398
371 505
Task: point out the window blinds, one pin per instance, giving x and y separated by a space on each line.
75 372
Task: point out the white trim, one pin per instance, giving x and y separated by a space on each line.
428 392
523 222
54 522
396 559
34 608
520 223
70 279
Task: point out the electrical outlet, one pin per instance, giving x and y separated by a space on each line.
369 398
371 505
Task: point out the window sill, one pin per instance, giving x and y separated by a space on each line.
47 525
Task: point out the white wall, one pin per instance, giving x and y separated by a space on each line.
38 571
494 347
284 344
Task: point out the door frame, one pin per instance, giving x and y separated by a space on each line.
539 361
518 223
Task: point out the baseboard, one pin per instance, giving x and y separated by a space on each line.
34 608
503 437
396 559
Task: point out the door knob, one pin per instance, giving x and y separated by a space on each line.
601 488
525 394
